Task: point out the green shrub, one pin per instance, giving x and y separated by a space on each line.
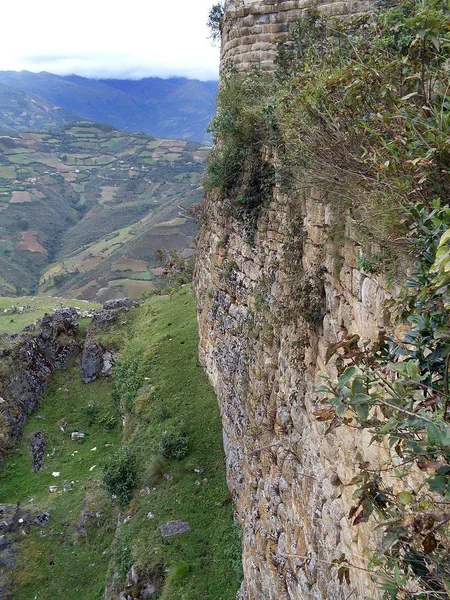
155 471
372 264
92 413
128 377
173 445
120 475
238 168
214 22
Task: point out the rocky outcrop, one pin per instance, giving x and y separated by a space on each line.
119 303
91 362
27 362
96 359
15 522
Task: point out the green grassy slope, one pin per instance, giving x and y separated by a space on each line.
176 398
162 388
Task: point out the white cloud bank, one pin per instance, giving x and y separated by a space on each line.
100 38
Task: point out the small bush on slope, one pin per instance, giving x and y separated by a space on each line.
175 397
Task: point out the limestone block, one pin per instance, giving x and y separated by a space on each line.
346 277
357 281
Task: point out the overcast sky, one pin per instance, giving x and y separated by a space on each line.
109 38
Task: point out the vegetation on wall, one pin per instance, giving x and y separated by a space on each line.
399 391
214 22
364 111
239 169
361 109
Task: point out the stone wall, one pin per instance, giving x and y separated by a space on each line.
269 306
251 28
267 314
27 362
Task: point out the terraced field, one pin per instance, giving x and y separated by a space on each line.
82 211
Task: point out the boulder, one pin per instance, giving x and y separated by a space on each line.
37 444
119 303
174 528
91 362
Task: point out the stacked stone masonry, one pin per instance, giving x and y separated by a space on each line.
268 309
290 482
252 28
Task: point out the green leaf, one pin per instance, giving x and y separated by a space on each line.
405 498
434 435
362 410
357 386
347 375
323 388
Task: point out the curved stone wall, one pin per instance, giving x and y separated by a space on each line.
252 28
268 310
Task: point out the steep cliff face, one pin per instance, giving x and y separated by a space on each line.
269 307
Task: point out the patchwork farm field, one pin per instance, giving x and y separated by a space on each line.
83 210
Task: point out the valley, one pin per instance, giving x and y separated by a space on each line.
83 210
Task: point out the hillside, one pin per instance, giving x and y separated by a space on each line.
323 294
90 521
176 108
23 111
85 209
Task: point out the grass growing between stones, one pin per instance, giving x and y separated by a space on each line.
173 431
173 412
34 307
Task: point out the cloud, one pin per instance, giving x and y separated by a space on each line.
94 39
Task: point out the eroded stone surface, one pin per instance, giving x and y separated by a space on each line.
28 361
264 334
174 528
252 28
267 313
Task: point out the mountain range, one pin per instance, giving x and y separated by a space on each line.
177 108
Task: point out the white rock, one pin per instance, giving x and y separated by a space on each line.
92 468
55 473
53 488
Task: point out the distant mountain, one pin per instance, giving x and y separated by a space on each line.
22 111
175 108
